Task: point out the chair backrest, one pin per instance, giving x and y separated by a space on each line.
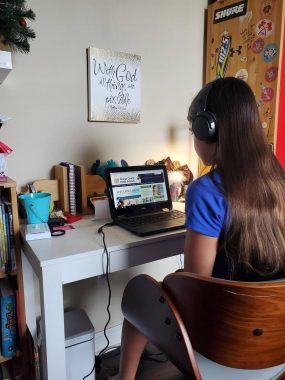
237 324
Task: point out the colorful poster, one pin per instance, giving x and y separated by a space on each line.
243 40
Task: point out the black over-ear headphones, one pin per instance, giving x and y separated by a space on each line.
204 124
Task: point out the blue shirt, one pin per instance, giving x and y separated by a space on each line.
206 211
206 206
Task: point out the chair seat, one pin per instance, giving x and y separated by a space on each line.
213 371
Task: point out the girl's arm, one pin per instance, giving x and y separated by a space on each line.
199 253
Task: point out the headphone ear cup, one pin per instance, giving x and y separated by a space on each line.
204 127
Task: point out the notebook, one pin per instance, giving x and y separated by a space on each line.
139 199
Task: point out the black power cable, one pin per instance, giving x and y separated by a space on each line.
107 272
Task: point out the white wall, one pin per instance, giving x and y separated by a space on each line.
46 95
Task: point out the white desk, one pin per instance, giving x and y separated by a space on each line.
75 256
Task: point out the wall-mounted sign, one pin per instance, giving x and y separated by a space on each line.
114 81
231 11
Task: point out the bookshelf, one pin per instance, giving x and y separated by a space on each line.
8 190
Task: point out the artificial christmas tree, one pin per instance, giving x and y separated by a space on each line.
14 31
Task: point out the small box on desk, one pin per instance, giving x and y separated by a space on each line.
37 231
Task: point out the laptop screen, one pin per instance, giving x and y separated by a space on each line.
135 189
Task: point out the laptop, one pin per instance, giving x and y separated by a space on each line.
139 199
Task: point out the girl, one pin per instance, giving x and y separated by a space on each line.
235 214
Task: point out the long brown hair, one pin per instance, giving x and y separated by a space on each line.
252 178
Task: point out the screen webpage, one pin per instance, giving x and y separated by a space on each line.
137 188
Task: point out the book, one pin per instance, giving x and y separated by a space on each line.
37 231
2 264
4 257
7 236
10 232
78 188
5 372
71 186
8 319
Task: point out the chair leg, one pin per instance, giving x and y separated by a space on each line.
147 307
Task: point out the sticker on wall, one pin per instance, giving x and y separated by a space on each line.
223 58
271 74
237 51
258 45
266 7
264 28
260 103
245 20
264 124
248 35
114 84
242 74
267 94
230 12
214 58
270 52
268 115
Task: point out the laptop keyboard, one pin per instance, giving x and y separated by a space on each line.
153 218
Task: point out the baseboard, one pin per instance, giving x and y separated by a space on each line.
114 336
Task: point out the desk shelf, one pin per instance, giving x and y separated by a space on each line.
58 188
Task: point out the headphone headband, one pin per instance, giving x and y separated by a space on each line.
207 90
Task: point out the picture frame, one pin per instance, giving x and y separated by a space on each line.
114 86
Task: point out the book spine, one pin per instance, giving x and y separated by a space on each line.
10 235
8 325
8 244
3 371
2 264
71 186
2 232
6 237
78 188
72 191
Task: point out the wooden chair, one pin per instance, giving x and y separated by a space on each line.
211 328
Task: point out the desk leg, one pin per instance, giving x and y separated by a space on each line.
53 340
